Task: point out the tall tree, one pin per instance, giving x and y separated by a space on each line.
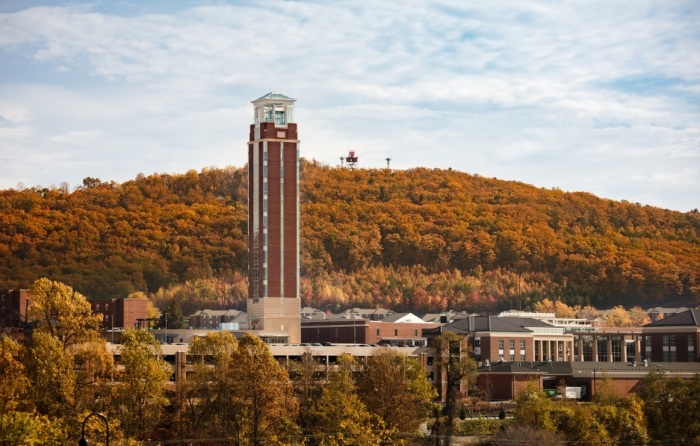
458 372
172 317
263 409
139 395
307 388
51 371
204 393
342 416
389 380
62 312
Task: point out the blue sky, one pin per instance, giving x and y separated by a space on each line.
582 95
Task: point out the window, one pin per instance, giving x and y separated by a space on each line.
691 348
430 360
602 350
616 353
587 348
477 342
522 346
377 332
415 332
511 345
396 331
500 344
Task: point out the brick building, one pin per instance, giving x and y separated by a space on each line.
13 308
273 304
120 313
673 339
348 328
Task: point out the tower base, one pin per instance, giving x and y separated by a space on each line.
276 315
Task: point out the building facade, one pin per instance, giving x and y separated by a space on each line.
219 320
273 218
351 329
120 313
13 308
674 338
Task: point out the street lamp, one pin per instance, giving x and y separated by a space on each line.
83 441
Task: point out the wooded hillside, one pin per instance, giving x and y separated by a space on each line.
418 240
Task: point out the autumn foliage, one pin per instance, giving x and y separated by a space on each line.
417 240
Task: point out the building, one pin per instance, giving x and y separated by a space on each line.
570 324
504 381
658 313
13 308
349 328
219 320
120 313
372 314
675 338
511 338
273 305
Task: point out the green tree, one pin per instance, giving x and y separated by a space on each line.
389 380
459 373
172 317
672 408
342 416
139 394
305 376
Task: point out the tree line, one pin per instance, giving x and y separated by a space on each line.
235 391
410 240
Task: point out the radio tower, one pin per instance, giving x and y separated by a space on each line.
351 159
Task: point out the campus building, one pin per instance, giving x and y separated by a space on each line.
120 313
273 305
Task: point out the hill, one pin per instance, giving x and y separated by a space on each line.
418 240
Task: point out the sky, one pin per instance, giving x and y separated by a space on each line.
582 95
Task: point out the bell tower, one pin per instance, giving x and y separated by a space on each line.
273 219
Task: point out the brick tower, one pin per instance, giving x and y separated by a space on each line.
273 219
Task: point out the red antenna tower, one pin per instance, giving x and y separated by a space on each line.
351 159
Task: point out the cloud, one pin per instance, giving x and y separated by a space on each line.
532 91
